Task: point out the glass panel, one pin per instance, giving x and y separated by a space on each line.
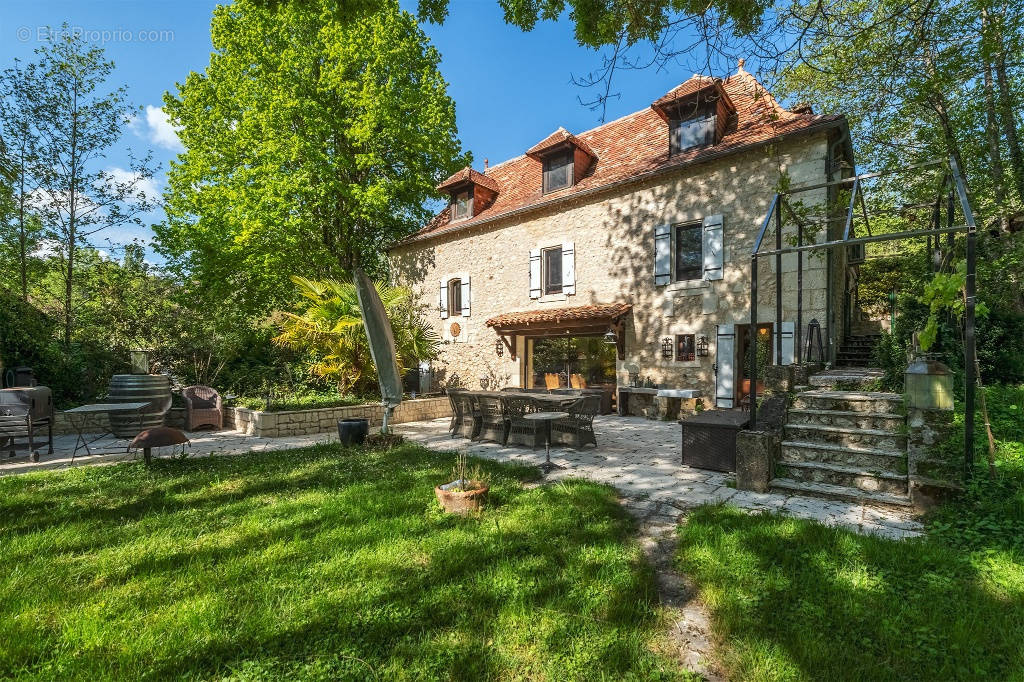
553 271
463 204
694 132
688 251
455 297
557 171
558 359
684 347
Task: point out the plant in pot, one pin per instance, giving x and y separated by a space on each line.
466 492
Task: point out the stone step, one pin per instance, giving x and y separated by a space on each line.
855 353
857 438
868 459
836 492
881 421
845 476
850 401
862 375
853 362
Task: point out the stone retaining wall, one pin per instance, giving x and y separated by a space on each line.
325 420
97 423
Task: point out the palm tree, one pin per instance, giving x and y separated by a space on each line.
330 327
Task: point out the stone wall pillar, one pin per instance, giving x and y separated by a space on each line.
935 464
756 453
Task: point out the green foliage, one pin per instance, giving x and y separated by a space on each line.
319 563
945 294
330 328
313 143
990 513
792 599
304 399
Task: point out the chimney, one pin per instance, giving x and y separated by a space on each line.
485 165
740 63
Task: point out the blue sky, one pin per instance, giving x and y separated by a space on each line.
511 88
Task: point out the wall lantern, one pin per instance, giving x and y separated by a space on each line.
499 347
666 348
702 346
609 337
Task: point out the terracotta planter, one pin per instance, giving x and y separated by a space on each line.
462 502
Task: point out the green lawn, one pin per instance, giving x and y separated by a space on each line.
794 600
319 563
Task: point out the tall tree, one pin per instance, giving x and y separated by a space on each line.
20 228
312 143
77 123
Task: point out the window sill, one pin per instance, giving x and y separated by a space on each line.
551 298
688 284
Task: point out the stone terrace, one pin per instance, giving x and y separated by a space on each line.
641 458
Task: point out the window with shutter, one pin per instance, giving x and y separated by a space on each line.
442 300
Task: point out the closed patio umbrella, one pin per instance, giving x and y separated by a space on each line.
382 344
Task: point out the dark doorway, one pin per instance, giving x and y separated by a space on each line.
765 357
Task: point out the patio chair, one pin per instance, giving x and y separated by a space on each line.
493 425
468 425
552 381
523 431
577 429
577 381
203 407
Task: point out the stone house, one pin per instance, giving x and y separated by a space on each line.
622 254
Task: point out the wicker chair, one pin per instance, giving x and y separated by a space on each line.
493 425
468 425
203 407
523 431
577 429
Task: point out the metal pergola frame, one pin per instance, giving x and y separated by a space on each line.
951 181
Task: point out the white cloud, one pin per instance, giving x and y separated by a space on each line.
161 132
147 186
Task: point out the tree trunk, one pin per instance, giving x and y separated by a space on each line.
22 236
72 237
941 109
1008 114
994 152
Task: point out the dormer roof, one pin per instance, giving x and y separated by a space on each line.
692 89
466 176
557 139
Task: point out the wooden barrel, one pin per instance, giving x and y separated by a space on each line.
154 389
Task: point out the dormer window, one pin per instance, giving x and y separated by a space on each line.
558 171
690 133
462 204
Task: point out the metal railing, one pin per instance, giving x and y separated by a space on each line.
951 187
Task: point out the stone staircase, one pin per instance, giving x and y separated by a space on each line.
845 445
856 351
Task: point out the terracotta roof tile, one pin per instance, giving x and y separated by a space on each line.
685 89
632 147
583 313
556 138
467 174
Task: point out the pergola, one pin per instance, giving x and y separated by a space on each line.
949 191
585 320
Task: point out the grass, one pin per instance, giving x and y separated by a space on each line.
794 600
320 563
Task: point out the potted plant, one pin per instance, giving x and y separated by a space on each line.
467 490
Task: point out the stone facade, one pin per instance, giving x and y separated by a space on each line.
613 237
305 422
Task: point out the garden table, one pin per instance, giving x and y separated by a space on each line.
547 418
79 417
